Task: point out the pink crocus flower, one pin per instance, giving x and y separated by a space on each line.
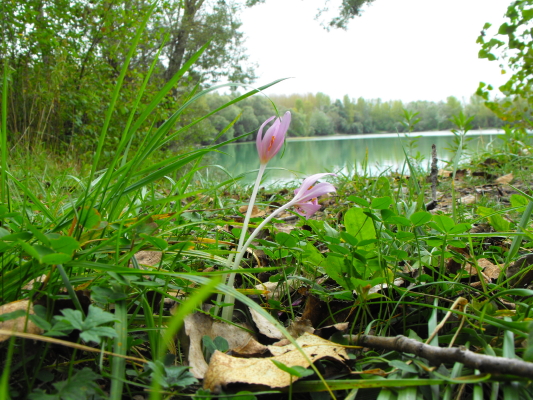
269 144
305 198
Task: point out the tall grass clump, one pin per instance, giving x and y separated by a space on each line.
71 260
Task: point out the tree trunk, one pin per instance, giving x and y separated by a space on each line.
179 44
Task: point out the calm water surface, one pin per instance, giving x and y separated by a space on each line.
343 154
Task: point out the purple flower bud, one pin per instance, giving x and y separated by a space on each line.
269 144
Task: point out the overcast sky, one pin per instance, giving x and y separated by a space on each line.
399 49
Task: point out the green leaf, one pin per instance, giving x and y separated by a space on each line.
285 239
95 334
297 371
349 239
81 386
97 316
381 203
90 329
12 315
517 200
403 366
399 220
55 258
420 218
443 223
65 244
359 225
172 376
358 200
89 218
157 242
460 228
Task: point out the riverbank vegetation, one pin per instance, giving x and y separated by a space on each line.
64 60
141 278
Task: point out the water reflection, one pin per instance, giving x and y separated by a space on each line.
343 154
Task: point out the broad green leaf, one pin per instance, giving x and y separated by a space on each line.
65 244
443 223
89 218
55 258
517 200
358 200
398 220
80 386
349 238
420 218
285 239
460 228
359 225
381 203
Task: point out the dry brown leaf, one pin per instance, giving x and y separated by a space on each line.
300 326
381 286
256 212
264 326
327 331
251 349
444 173
491 270
468 199
225 369
20 324
146 257
196 326
275 290
505 179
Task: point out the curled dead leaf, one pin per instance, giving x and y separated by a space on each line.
20 324
224 369
264 326
505 179
196 326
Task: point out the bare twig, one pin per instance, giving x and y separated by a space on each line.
438 355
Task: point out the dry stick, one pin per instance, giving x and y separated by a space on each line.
52 340
438 355
433 176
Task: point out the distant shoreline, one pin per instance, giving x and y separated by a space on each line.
475 132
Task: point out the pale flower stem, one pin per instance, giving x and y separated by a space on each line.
231 277
224 277
262 168
227 312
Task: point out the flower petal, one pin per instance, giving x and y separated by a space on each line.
316 191
259 139
307 183
306 209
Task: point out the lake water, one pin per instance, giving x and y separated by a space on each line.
343 154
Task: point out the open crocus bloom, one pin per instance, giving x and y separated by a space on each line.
269 144
305 198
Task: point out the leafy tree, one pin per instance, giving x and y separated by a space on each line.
65 57
320 124
348 10
512 46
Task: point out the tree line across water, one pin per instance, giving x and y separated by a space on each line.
319 115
